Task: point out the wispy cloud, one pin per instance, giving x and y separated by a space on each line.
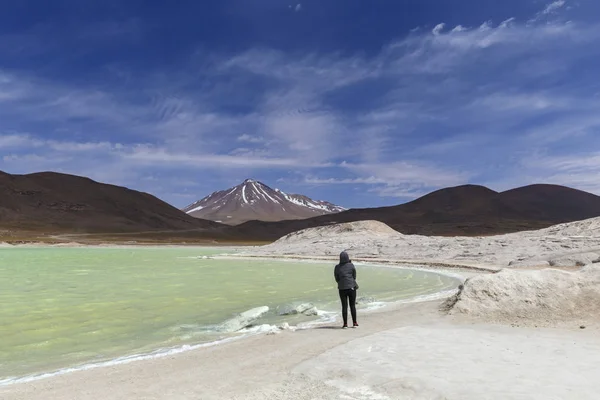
554 6
551 10
579 169
438 29
394 178
250 139
151 156
402 172
438 107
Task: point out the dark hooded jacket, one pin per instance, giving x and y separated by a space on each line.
345 273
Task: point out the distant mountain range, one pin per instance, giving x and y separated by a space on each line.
253 200
463 210
50 202
58 202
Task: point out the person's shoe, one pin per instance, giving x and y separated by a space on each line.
345 326
355 325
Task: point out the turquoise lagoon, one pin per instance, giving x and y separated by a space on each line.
66 307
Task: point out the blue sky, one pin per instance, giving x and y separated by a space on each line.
359 102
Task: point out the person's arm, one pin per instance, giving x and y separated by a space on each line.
353 271
335 274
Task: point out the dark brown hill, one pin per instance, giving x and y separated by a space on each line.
464 210
552 203
59 202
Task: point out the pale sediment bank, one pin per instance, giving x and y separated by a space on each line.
565 245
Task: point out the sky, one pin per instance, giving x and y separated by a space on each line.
363 103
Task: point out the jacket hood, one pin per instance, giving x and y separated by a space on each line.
344 257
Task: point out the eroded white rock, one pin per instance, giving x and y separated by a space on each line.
243 320
304 308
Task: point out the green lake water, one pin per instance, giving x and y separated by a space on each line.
62 307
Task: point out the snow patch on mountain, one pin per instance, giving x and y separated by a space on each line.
253 200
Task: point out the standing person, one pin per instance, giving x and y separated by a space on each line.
345 276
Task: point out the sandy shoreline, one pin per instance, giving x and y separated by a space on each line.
403 351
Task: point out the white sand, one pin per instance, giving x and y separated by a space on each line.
412 351
457 362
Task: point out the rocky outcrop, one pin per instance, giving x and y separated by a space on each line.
304 308
537 297
243 320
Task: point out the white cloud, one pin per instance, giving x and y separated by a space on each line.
295 119
77 147
16 140
250 139
438 29
154 115
310 135
399 192
396 179
458 28
144 155
507 23
529 102
549 11
21 141
208 161
486 26
402 172
298 7
579 170
589 161
344 181
379 186
554 6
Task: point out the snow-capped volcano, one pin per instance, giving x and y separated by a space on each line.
253 200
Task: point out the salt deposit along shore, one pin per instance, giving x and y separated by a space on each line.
566 245
513 334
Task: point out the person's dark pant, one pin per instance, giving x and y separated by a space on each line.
348 295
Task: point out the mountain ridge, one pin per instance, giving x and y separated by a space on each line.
254 200
53 202
465 210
